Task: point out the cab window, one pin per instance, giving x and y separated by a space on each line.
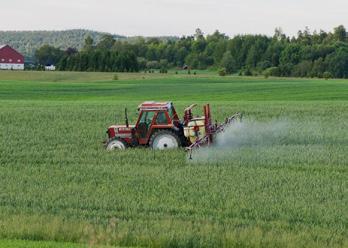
144 123
170 112
146 117
161 118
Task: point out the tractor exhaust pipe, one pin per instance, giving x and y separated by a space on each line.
126 117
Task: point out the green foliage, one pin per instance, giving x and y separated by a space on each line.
163 70
337 63
340 33
115 77
142 63
222 72
302 69
152 65
100 60
48 55
267 73
327 75
89 43
58 182
229 63
106 43
307 55
247 72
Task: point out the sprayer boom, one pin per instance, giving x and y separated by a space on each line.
212 131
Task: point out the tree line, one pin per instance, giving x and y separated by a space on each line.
308 54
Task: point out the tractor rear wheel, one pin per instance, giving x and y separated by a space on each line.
116 144
164 139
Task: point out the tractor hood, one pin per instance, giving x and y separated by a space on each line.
121 131
122 127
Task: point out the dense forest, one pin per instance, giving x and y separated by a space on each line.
309 54
27 42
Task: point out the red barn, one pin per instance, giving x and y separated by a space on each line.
10 59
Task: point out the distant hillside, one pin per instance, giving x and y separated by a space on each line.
134 39
28 41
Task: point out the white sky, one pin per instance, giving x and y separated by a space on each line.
174 17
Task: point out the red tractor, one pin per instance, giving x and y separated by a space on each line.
159 127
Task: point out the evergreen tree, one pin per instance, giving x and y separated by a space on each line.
229 63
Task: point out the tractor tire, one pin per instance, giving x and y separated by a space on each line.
116 144
164 139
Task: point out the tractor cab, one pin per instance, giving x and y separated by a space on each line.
153 116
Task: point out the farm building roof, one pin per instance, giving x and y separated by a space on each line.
9 55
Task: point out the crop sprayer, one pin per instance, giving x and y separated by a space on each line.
159 127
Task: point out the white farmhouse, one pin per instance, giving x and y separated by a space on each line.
50 68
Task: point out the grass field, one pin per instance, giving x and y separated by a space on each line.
34 244
58 184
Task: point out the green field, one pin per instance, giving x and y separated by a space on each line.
58 184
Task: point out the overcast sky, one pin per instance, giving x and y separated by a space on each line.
174 17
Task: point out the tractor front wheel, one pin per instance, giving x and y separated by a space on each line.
116 144
164 139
